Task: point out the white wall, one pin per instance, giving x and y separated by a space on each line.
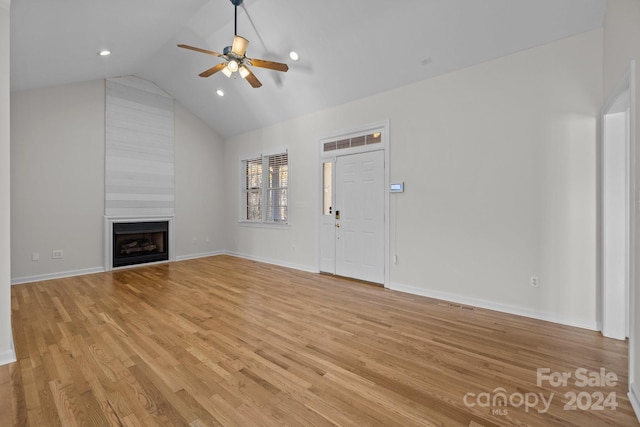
499 165
621 45
503 160
200 187
57 178
6 341
57 181
293 245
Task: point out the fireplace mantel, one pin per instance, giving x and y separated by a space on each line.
108 235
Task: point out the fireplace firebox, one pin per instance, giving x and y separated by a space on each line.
140 242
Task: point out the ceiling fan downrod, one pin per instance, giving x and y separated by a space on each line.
235 3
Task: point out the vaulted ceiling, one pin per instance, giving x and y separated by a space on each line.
349 49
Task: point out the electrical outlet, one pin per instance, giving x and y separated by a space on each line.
35 256
535 282
395 260
57 254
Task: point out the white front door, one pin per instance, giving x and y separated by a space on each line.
359 216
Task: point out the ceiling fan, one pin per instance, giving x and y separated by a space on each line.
235 56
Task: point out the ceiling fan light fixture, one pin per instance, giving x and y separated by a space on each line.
233 65
294 55
244 71
226 71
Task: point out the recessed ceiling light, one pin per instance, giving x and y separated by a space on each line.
294 55
104 52
220 92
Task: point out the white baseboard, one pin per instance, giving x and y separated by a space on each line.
634 398
8 356
279 263
489 305
63 274
200 255
59 275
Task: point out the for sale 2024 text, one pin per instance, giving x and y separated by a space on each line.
581 378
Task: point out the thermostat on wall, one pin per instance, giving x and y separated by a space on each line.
397 188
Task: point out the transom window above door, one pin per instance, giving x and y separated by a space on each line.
356 141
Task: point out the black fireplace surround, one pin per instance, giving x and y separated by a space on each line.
140 242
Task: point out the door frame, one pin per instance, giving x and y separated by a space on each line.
616 219
626 88
322 156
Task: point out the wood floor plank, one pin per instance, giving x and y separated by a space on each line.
7 407
226 341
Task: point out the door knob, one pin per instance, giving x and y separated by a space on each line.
337 225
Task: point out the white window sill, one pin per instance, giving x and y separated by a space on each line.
263 224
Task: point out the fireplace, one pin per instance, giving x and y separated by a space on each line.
130 229
140 242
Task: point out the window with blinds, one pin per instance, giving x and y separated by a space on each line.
252 196
266 184
278 188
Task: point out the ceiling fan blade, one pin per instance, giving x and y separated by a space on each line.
239 46
252 79
213 70
197 49
278 66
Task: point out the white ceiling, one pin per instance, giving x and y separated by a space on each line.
349 49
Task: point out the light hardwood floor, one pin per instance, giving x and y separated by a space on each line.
226 341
